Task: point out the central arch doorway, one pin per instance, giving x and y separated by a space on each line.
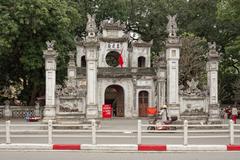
114 95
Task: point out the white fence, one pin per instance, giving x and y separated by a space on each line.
91 131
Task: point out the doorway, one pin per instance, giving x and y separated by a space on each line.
114 95
143 103
83 61
141 62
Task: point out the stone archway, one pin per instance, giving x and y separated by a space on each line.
114 95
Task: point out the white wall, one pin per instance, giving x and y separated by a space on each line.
140 52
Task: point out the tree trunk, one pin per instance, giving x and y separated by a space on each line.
33 95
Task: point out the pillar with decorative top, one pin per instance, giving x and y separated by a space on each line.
212 75
173 45
50 56
91 45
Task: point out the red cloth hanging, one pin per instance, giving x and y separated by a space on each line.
120 59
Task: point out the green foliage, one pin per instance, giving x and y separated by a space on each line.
27 24
228 17
232 56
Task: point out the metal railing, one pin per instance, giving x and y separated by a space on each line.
184 131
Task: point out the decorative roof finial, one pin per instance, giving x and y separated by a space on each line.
172 26
213 53
212 46
91 25
50 44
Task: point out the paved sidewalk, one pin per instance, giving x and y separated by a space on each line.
115 123
110 124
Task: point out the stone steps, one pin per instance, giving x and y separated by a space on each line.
71 118
195 119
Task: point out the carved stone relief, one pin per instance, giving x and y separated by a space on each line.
68 107
71 96
192 89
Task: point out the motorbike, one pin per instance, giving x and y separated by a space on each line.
162 125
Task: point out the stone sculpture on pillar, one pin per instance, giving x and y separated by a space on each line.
91 45
212 74
50 56
173 45
172 26
91 28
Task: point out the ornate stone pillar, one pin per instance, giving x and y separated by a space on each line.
173 46
161 82
50 56
135 99
91 45
7 112
72 71
212 72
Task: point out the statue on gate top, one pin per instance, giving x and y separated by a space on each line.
212 46
192 89
172 26
50 44
91 27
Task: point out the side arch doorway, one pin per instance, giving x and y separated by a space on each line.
143 103
114 95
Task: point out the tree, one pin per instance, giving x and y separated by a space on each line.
193 59
26 26
228 17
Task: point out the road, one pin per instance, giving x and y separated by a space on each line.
81 155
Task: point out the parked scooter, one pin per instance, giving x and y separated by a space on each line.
161 125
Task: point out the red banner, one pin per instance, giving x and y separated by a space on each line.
107 111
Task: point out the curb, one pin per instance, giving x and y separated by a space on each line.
120 147
66 147
112 147
144 147
20 146
196 148
233 147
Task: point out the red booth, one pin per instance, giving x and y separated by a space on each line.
107 111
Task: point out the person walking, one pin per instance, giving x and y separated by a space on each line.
234 114
225 116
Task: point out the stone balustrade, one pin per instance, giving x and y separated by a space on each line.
19 112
